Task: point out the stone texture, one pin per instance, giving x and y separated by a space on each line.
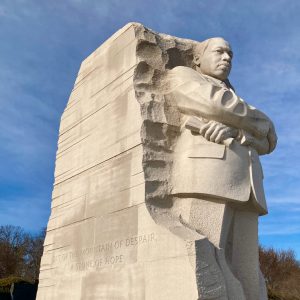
144 205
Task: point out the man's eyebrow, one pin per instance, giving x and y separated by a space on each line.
224 49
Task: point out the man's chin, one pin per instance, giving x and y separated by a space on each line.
219 74
222 75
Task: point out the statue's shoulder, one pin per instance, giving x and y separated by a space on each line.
184 74
185 71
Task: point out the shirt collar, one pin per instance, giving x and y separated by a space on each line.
219 82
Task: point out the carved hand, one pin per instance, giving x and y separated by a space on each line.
217 132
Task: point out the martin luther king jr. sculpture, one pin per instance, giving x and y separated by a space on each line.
215 188
158 185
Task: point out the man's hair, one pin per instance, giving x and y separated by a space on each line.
200 48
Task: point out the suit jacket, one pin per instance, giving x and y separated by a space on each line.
228 171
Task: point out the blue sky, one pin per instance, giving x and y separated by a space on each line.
42 46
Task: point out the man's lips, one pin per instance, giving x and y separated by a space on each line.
226 66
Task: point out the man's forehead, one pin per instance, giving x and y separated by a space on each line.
218 42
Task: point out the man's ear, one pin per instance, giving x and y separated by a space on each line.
196 60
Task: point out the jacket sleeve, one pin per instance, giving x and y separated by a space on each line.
195 96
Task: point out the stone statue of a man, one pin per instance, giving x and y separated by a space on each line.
217 191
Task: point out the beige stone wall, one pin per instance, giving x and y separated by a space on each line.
101 242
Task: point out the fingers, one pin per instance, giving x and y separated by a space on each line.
214 130
217 132
217 135
222 135
205 127
225 134
209 128
210 131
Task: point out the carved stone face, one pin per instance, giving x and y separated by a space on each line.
216 59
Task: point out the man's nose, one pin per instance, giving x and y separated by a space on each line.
226 57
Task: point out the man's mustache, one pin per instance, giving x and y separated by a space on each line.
225 64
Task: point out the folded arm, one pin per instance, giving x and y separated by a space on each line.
219 133
196 97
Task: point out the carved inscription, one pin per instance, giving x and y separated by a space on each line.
97 263
102 255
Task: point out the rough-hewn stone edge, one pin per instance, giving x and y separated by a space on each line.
156 53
